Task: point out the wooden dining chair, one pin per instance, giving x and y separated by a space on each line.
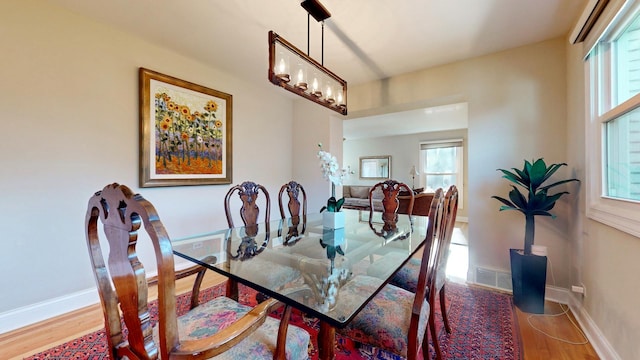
249 195
390 203
407 277
297 211
221 327
396 320
248 192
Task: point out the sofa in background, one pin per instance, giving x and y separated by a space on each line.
357 197
421 203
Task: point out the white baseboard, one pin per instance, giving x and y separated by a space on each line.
463 219
34 313
597 339
31 314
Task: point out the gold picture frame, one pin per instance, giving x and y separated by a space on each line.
375 167
185 132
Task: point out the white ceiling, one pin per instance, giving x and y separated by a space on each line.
365 40
437 118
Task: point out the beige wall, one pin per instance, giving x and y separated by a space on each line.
312 125
404 151
517 111
68 99
69 105
605 260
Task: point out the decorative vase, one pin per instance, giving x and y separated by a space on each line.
333 237
529 276
332 220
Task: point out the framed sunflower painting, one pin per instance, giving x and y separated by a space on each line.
185 132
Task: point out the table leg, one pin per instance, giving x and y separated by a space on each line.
326 341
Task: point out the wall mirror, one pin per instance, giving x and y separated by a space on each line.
375 167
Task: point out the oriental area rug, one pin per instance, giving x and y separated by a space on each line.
482 321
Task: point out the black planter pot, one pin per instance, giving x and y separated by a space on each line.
529 277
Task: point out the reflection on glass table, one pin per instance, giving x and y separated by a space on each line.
306 257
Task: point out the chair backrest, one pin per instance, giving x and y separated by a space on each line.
426 277
248 192
294 191
124 286
446 231
390 202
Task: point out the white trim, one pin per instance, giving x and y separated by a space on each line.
582 22
597 339
556 294
31 314
623 215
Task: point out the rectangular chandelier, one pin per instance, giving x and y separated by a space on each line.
297 72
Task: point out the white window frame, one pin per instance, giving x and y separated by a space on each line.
460 161
621 214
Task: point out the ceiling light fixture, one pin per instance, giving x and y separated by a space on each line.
310 79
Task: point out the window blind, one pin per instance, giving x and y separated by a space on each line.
441 144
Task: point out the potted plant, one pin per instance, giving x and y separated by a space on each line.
529 271
331 171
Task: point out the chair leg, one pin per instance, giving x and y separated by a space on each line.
281 350
434 337
443 310
432 324
232 289
425 346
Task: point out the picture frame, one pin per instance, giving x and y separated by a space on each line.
185 132
375 167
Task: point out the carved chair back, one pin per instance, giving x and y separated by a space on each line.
295 192
390 203
248 193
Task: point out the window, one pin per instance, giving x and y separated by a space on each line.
613 129
442 164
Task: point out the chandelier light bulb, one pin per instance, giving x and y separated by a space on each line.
315 88
300 83
330 99
281 71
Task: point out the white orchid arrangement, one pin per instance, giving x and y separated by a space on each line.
332 172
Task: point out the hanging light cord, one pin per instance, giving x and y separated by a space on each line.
308 27
322 54
309 41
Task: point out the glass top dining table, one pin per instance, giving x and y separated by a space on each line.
306 265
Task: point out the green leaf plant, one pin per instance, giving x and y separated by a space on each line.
537 201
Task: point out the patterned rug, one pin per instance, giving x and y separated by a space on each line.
482 321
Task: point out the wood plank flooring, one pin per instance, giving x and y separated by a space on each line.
38 337
538 346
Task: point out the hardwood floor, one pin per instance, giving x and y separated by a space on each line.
38 337
537 345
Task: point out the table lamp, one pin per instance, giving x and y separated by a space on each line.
413 172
